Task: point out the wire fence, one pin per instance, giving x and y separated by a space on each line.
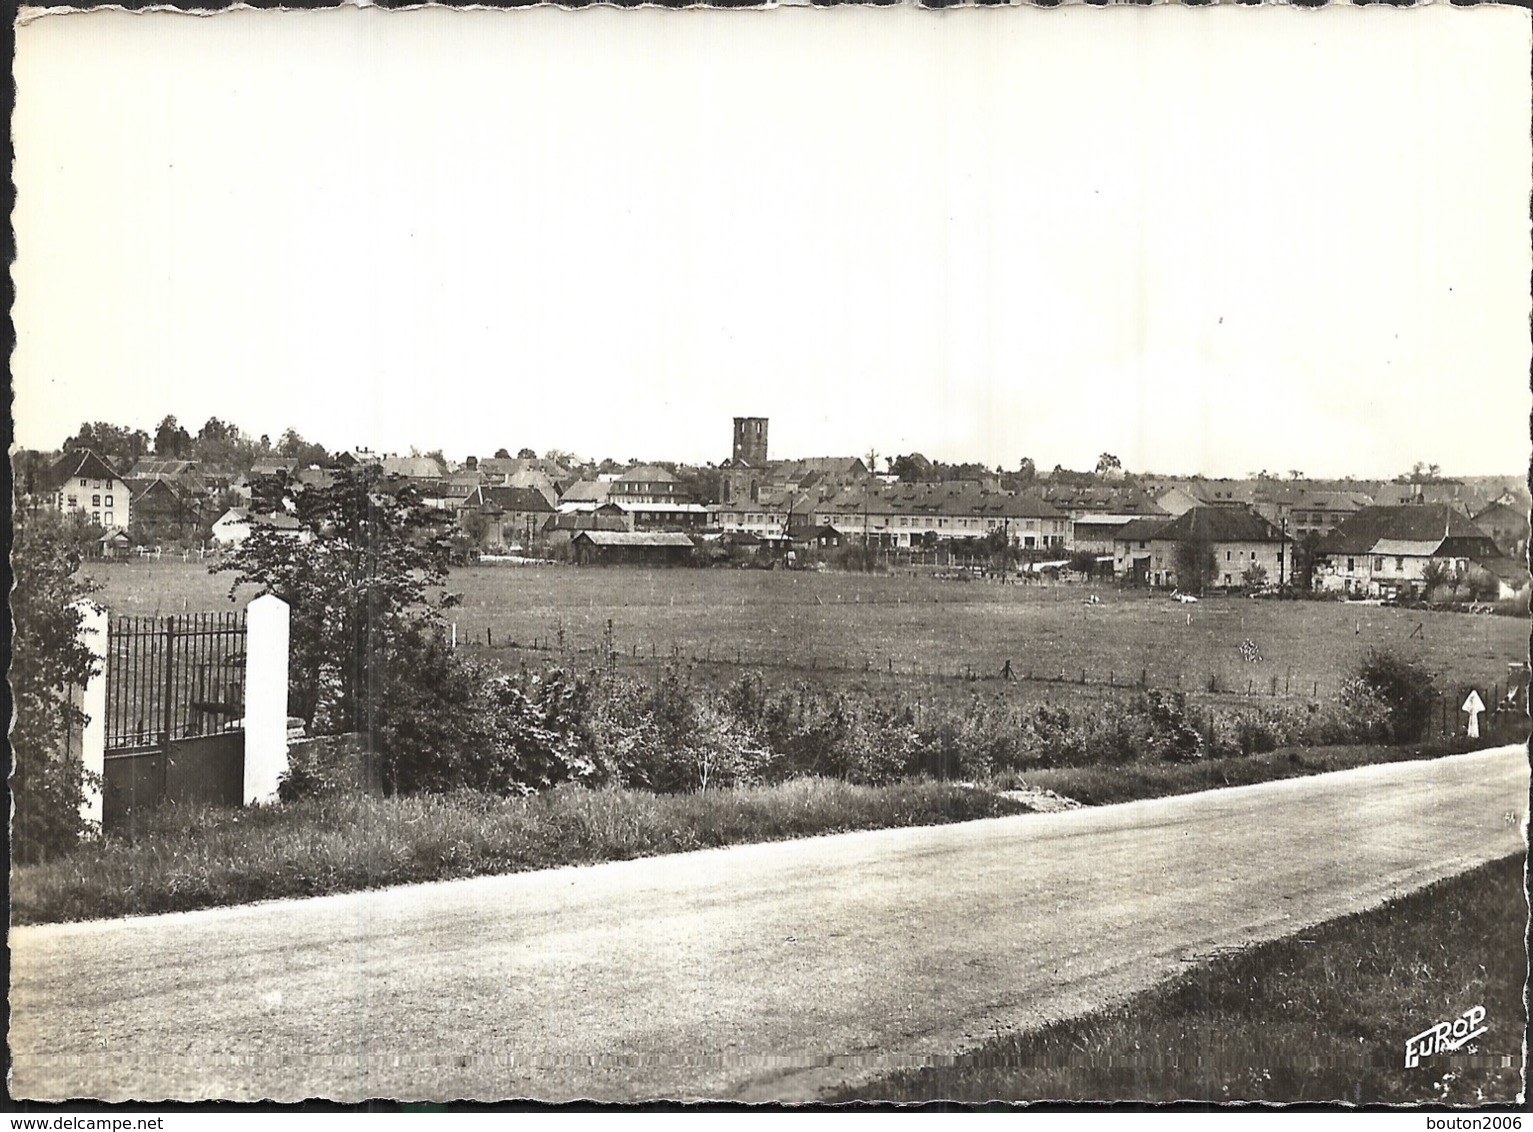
1235 681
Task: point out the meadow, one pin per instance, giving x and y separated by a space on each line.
909 628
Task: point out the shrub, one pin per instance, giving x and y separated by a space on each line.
1398 687
47 782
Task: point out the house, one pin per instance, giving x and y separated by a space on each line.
1507 524
163 510
187 475
632 548
510 515
81 481
1096 532
1133 561
647 483
234 526
413 467
1304 510
1241 543
559 529
584 495
1385 550
663 516
925 514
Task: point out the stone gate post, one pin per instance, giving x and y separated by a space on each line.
91 700
266 644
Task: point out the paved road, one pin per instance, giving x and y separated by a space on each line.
761 972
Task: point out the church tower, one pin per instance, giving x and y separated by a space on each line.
751 440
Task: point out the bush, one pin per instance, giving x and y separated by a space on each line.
1396 694
48 659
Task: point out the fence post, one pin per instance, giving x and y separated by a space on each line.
91 700
266 645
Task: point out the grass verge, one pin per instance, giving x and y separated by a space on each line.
1105 785
194 857
1323 1016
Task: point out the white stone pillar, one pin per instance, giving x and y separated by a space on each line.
91 700
266 643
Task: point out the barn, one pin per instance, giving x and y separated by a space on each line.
632 548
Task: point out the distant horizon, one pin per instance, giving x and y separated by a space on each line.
1042 469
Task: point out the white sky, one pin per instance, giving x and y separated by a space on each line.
1205 240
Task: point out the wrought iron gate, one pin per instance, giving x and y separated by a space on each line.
175 702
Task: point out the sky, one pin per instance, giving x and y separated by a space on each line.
1207 241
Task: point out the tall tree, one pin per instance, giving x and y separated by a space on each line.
1196 566
106 439
362 576
294 446
170 439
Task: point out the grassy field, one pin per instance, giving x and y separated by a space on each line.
199 857
908 627
1323 1016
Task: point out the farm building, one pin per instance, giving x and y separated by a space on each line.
631 548
1508 525
185 474
558 530
164 510
1241 542
508 515
1385 550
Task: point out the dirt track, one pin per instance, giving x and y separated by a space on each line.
759 972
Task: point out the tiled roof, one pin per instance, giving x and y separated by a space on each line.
1408 548
586 491
81 463
516 499
1142 530
1410 522
1220 524
152 467
646 473
416 467
635 538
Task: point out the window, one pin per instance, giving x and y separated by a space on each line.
109 518
95 501
74 501
84 483
1351 565
1226 579
1229 555
1378 564
95 517
1399 564
109 501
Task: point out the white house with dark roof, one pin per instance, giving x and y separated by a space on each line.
82 482
1383 550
